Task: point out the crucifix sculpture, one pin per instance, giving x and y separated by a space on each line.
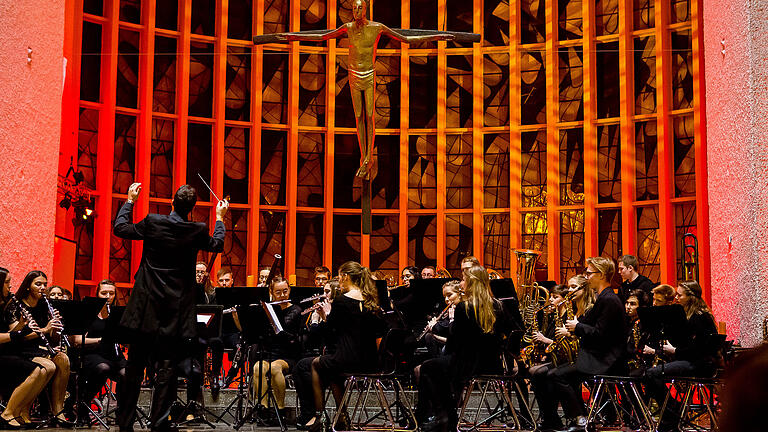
363 38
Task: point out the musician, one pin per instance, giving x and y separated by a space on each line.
697 355
428 272
224 277
636 337
161 313
100 361
263 275
354 318
322 276
664 295
283 349
437 330
601 342
57 292
21 380
583 299
30 296
206 293
468 262
473 346
631 279
302 372
408 274
538 372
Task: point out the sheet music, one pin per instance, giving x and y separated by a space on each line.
270 310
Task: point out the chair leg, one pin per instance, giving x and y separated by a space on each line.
595 401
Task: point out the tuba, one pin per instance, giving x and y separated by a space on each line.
532 298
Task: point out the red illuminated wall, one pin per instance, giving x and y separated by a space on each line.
30 122
737 140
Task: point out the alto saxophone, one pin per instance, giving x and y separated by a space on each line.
635 362
564 347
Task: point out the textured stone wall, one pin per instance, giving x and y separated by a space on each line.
737 146
30 126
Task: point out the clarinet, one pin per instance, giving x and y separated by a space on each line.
63 341
117 347
31 323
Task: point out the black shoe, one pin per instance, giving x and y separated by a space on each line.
317 426
6 425
579 424
215 388
549 426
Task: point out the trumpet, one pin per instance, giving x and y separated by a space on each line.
33 325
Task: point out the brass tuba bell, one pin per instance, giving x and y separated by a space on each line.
532 297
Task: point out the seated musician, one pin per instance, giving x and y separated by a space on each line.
206 293
428 272
410 273
230 333
697 355
302 372
263 276
100 361
636 337
283 349
44 350
437 330
57 292
322 276
21 380
664 295
630 279
601 342
354 317
544 338
474 346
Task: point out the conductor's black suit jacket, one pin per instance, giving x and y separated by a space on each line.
601 334
162 303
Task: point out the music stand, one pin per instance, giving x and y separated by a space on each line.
78 316
504 291
664 323
259 323
208 319
242 295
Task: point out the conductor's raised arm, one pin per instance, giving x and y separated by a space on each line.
124 226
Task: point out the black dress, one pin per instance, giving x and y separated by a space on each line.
286 345
15 368
356 330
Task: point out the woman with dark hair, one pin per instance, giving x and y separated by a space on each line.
410 273
697 355
100 360
31 297
21 379
354 317
473 346
636 338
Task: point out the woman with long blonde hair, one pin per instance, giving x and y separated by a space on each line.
354 317
473 346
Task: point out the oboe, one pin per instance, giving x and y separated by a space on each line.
63 341
33 325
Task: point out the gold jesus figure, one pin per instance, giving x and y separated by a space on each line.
363 38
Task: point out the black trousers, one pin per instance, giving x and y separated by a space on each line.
166 354
437 390
565 384
302 378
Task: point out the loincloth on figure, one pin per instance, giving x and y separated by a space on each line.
360 80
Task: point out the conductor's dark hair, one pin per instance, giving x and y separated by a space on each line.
184 200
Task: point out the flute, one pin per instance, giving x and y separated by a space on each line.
427 329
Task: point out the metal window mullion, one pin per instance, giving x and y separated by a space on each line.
515 138
405 20
254 162
144 120
106 143
665 144
440 172
627 135
477 138
330 143
293 145
589 85
182 94
553 146
700 147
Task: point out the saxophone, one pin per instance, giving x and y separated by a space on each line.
635 362
564 348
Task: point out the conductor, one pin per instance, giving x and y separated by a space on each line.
160 314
